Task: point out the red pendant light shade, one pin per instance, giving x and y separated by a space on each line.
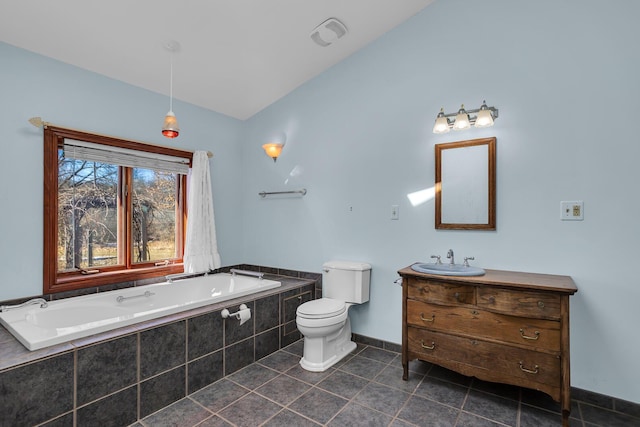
170 128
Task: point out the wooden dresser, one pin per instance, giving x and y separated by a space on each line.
507 327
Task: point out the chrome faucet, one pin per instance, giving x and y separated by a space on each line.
450 256
41 301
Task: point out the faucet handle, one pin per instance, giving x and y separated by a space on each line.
437 258
466 260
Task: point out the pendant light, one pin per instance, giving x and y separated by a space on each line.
170 128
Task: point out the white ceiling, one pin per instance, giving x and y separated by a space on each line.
236 56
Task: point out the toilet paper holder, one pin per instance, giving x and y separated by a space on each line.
225 313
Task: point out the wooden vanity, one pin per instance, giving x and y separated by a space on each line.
505 326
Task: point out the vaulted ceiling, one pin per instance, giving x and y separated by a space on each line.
236 57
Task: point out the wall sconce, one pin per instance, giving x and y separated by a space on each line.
484 118
273 149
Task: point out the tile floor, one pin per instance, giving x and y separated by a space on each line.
366 389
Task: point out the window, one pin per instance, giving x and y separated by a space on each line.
114 210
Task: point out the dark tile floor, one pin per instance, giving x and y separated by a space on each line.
366 389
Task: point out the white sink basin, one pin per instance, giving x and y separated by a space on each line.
448 269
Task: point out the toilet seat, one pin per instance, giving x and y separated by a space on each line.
321 308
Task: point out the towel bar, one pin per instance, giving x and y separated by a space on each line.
264 194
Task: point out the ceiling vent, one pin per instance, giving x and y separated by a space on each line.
328 32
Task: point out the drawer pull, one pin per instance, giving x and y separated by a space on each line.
475 312
430 347
424 319
540 304
526 337
457 296
528 371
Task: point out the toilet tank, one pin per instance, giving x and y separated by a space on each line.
346 280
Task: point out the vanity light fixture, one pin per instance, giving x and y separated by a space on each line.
273 149
484 118
170 127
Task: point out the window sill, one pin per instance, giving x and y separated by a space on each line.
71 283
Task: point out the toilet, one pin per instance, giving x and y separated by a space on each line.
324 322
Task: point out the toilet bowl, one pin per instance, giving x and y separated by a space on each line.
324 322
327 333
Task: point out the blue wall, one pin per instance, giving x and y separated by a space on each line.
359 139
564 76
32 85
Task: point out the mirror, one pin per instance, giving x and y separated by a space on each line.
466 185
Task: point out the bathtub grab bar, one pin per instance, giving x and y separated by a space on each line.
235 271
264 194
146 294
41 301
171 277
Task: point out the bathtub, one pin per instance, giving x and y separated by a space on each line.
68 319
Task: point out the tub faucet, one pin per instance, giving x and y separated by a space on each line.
450 256
41 301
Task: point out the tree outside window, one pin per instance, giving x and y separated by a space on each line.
109 221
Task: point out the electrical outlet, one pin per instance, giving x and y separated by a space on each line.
395 211
572 211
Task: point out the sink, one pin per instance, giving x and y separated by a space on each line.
447 269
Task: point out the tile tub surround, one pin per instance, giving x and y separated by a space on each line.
126 374
12 353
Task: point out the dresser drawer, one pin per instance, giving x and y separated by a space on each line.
537 334
520 303
486 360
438 292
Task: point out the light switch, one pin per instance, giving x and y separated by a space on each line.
395 211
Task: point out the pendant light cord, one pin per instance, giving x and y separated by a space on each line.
171 85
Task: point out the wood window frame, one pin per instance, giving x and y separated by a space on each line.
53 281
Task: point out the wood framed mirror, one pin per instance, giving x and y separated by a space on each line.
466 185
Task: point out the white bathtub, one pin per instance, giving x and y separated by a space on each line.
77 317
